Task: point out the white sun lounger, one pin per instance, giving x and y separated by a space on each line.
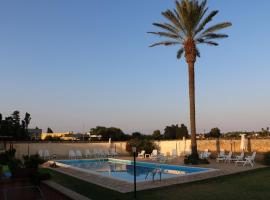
141 154
113 153
71 155
40 153
154 154
239 157
205 154
87 153
78 154
225 158
46 154
248 160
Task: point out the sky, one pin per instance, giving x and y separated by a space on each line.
74 65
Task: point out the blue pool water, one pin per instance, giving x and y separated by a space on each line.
124 169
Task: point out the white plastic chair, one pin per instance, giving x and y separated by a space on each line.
221 153
205 154
248 160
113 153
141 154
78 154
239 158
40 153
71 154
87 153
154 154
225 158
46 154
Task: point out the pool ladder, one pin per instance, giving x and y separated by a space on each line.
154 173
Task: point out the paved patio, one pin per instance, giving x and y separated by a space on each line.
220 169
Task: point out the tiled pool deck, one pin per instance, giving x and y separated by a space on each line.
124 187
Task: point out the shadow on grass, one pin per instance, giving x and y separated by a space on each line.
253 184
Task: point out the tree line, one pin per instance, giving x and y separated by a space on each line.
13 128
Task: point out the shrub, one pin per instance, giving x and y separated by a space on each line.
8 158
194 161
32 161
266 158
145 144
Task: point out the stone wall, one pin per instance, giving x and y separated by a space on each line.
62 149
166 147
258 145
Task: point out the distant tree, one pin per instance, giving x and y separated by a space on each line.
16 117
174 132
137 135
12 128
214 133
49 130
27 120
115 134
181 132
157 135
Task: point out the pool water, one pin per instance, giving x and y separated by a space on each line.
124 169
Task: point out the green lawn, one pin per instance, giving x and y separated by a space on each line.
252 185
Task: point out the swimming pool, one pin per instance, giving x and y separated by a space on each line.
124 169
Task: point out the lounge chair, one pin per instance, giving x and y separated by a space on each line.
238 158
79 154
40 153
225 158
46 154
71 154
96 153
248 160
205 154
221 153
141 154
87 153
161 158
154 154
113 153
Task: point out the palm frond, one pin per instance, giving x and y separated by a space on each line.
198 52
180 53
217 27
211 43
167 27
165 34
206 21
214 36
169 15
165 43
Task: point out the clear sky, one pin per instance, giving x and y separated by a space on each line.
77 64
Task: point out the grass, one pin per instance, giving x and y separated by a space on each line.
254 184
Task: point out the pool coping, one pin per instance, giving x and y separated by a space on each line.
123 186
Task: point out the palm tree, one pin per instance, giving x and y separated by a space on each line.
186 27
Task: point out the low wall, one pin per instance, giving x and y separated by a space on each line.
166 147
62 149
258 145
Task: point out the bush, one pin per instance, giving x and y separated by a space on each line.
266 159
8 158
194 160
145 144
32 161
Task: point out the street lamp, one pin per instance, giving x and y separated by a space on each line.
134 164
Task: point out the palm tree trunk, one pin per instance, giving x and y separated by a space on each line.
191 76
